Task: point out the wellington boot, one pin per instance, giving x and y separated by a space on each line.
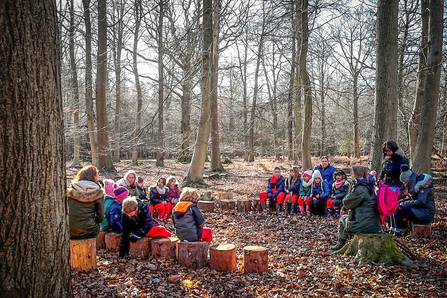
340 243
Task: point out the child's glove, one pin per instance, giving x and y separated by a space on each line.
134 237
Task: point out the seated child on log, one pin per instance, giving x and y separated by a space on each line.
320 193
361 203
340 189
109 186
141 189
418 202
130 182
159 199
137 223
173 192
115 212
275 191
305 192
187 219
292 188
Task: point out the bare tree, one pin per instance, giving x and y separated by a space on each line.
160 150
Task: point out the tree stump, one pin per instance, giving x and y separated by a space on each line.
83 254
421 231
164 248
374 248
243 205
223 257
257 204
227 204
140 249
225 196
193 254
113 241
206 206
255 259
101 240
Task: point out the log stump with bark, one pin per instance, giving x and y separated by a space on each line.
255 259
206 206
243 205
223 257
421 231
140 249
83 254
101 240
257 204
165 248
227 205
113 241
374 248
193 255
225 196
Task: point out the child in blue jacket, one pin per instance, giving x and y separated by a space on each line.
291 189
320 193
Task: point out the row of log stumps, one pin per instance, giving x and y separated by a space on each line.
227 203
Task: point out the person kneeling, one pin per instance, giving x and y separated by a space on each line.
137 223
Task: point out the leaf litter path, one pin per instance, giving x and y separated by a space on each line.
300 262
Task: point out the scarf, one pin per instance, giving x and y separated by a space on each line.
307 184
339 184
161 190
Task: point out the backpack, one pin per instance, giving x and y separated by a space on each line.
387 200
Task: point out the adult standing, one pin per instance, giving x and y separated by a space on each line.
86 204
327 171
393 159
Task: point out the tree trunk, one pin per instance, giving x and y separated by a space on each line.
298 106
104 158
291 90
196 168
356 117
216 164
385 105
185 155
422 158
88 83
160 151
413 125
244 97
136 139
35 247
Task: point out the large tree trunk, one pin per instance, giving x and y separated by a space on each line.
136 139
185 155
104 157
413 126
291 91
216 164
34 233
422 158
385 104
160 151
88 83
196 168
298 106
245 96
355 113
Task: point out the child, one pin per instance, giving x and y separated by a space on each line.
115 214
109 187
320 193
159 199
137 223
340 189
174 192
275 191
292 187
142 190
130 182
188 220
305 192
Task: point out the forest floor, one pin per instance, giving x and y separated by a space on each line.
300 261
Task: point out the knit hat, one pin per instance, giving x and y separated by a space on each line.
316 174
109 187
308 173
140 179
405 176
121 193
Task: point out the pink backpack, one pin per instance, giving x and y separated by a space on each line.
387 200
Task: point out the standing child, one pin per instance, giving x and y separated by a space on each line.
275 191
109 187
137 223
305 192
142 190
340 189
187 219
320 193
292 187
173 192
115 213
159 199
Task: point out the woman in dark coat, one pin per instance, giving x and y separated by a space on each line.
393 159
86 204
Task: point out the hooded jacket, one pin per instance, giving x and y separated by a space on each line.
158 198
327 174
187 220
295 188
391 168
132 188
86 209
275 187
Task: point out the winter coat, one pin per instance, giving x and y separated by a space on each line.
305 191
340 192
85 209
132 188
108 201
322 189
275 187
363 216
295 188
142 193
115 217
157 198
187 220
422 202
174 194
391 168
327 174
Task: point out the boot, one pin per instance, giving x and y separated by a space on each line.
263 206
278 208
337 212
287 208
293 208
302 209
329 213
340 243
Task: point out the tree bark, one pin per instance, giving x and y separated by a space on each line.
298 105
385 104
291 91
160 151
34 233
422 158
355 115
137 15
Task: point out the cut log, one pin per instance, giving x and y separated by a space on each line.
206 206
83 254
243 205
225 196
164 248
223 257
101 241
113 241
140 249
255 259
374 248
227 204
193 255
256 204
421 231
